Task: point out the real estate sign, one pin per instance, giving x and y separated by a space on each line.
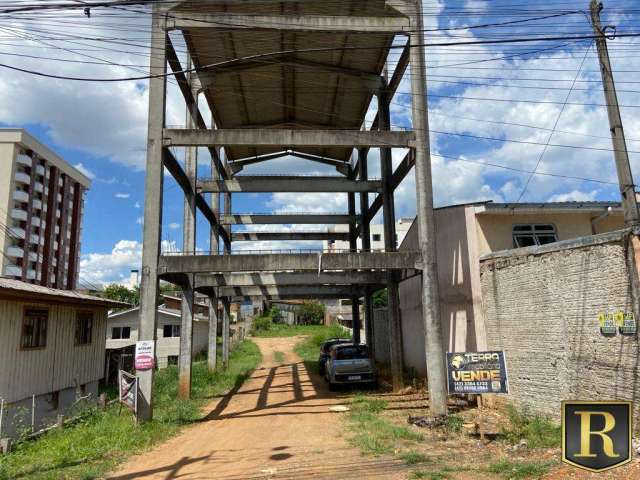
128 390
477 372
145 355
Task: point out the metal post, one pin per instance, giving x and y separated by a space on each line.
33 414
153 204
625 178
426 221
188 246
1 414
226 319
388 213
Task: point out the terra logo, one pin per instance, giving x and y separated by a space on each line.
596 436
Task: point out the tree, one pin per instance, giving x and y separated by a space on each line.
380 299
120 293
311 313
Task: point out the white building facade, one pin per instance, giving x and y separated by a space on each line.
41 207
377 236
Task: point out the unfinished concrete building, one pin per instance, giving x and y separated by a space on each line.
324 66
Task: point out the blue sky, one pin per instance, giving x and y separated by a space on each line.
102 127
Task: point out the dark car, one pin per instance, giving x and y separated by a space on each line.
349 364
324 351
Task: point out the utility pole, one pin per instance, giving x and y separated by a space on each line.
625 179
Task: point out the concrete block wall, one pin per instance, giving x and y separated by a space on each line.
541 306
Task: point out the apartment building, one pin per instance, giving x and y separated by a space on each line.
377 235
41 205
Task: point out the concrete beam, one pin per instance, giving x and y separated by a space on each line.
306 291
181 178
269 236
287 219
287 138
174 264
332 23
341 166
191 101
204 280
289 184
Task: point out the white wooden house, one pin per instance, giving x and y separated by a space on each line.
51 352
122 335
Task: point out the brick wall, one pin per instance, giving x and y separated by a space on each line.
541 306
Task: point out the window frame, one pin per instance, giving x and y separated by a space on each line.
89 330
46 328
174 327
121 330
533 233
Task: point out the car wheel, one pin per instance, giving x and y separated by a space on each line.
332 386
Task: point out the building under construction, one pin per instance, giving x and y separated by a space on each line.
324 65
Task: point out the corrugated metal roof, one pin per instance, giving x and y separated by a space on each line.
16 288
290 89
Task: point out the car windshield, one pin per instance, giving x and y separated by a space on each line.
351 352
327 345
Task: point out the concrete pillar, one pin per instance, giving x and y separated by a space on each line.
226 320
189 246
365 235
353 246
227 211
153 204
388 213
435 352
212 350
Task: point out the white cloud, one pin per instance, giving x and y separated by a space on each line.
137 205
122 195
114 267
85 171
140 220
574 196
174 226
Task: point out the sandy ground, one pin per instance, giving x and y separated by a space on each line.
276 425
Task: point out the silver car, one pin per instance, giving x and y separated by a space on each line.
349 364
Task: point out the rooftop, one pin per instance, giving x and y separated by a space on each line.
18 290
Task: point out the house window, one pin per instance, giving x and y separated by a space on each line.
529 235
118 333
377 237
172 360
171 331
34 328
84 328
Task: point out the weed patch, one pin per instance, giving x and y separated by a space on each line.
412 457
538 430
278 356
516 470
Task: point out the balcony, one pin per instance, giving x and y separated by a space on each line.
13 271
38 187
35 221
18 214
31 274
21 196
40 170
34 239
15 252
17 232
37 204
24 160
33 256
23 178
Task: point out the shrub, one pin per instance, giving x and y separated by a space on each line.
311 313
262 324
538 430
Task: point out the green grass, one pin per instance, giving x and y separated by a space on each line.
454 423
104 438
284 330
420 474
373 434
278 356
412 457
538 430
516 470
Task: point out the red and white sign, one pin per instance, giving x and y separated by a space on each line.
145 355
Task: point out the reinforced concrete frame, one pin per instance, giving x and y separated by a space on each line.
275 276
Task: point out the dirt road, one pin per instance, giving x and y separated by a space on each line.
276 425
